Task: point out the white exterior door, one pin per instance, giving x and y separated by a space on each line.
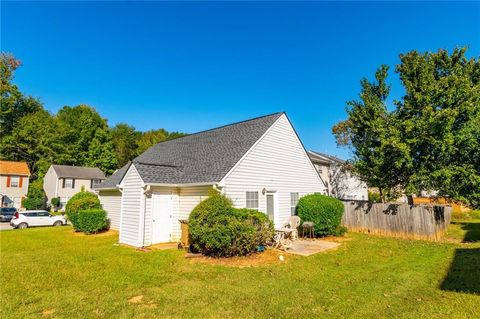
162 210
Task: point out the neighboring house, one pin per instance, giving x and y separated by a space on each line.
259 164
340 181
13 183
64 181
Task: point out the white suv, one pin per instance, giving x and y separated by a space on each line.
28 218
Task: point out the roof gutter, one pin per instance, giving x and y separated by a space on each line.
182 185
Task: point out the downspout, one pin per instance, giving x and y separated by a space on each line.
146 192
120 189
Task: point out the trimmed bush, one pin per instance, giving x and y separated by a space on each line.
80 201
324 211
217 229
92 221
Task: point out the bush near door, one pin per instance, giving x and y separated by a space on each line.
324 211
217 229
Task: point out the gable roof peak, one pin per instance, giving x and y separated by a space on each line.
203 157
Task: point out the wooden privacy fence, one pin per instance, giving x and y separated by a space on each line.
427 222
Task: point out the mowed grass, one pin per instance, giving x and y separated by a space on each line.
50 272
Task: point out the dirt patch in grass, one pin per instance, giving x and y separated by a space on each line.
270 256
103 233
48 312
136 299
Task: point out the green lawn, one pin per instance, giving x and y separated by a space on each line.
49 272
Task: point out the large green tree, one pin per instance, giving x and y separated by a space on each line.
13 104
82 123
373 133
101 152
40 140
125 139
152 137
430 141
74 136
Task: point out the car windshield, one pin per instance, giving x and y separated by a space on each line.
8 210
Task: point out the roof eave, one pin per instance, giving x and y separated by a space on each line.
182 184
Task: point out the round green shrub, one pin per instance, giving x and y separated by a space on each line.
324 211
92 220
217 229
78 202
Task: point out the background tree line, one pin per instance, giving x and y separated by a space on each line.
430 140
73 136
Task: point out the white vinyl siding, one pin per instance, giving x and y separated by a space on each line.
111 201
132 206
188 198
251 200
277 163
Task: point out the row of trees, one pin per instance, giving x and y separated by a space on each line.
430 140
73 136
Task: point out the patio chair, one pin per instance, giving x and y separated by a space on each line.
294 223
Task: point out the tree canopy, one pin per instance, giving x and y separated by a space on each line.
76 135
431 139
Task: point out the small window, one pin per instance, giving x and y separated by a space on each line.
252 200
293 203
15 181
68 183
31 214
94 182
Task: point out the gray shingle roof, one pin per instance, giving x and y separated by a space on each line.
204 157
78 172
112 181
324 157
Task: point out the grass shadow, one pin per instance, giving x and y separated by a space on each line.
464 272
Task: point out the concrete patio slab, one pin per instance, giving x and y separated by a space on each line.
310 247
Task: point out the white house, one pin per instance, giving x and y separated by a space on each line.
64 181
259 164
339 180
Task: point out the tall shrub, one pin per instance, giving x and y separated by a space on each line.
92 220
218 229
324 211
80 201
36 196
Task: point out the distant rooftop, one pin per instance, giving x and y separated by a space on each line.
14 168
322 157
115 179
78 172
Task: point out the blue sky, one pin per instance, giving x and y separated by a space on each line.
193 66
